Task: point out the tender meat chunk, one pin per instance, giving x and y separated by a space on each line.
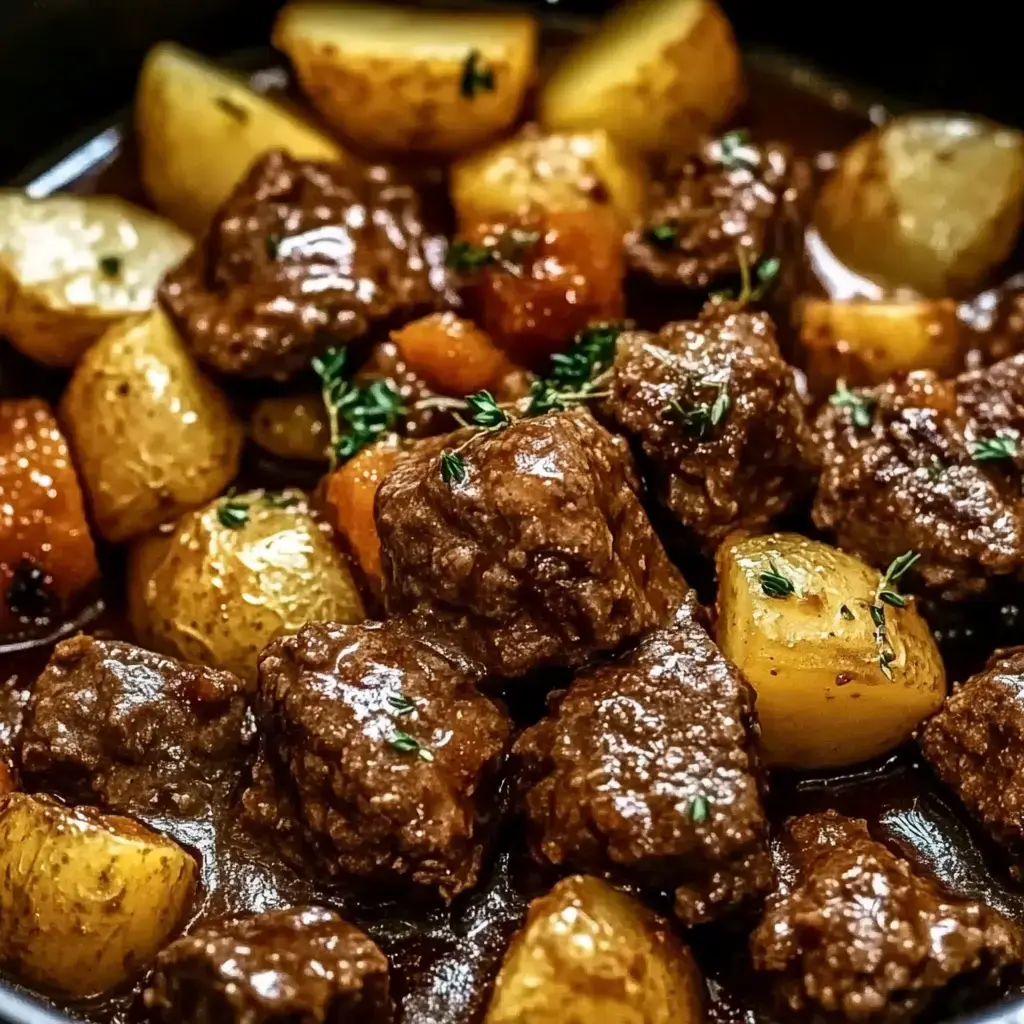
647 770
304 964
302 256
932 466
717 412
46 552
540 556
114 724
860 937
732 197
379 756
976 746
534 284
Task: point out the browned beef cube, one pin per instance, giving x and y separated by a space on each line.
715 409
539 553
734 199
281 967
932 466
113 724
303 255
646 769
857 935
976 746
379 756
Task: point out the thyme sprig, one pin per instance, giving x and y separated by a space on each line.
862 407
701 417
406 744
886 594
578 374
486 414
995 449
509 251
775 583
765 272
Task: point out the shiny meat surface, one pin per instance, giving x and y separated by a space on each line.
379 757
646 771
113 724
733 199
932 466
975 744
541 556
302 256
303 964
715 409
858 935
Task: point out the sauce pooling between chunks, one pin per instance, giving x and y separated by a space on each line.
379 757
646 770
931 466
303 254
541 554
854 933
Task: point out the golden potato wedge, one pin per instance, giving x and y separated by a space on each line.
865 342
86 899
71 266
410 78
200 129
657 74
796 617
153 437
292 427
930 202
589 954
553 170
235 575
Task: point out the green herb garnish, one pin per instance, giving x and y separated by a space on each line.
995 449
766 271
861 407
885 594
774 583
467 256
453 467
486 412
111 265
476 76
401 704
662 236
700 417
233 513
844 610
576 374
734 148
699 809
406 744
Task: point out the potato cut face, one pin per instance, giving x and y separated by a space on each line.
589 954
86 899
70 266
812 655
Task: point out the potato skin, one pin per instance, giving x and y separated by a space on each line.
822 698
217 595
657 75
86 899
392 78
153 437
199 129
55 295
591 955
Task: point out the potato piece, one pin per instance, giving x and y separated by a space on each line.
351 491
200 129
812 656
928 201
86 899
235 575
590 954
71 266
292 427
657 75
153 437
866 342
47 556
410 79
556 171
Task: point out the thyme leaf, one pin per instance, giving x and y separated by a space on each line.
862 407
995 449
406 744
774 583
476 76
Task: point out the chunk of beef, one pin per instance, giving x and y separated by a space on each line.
732 199
646 770
47 557
379 756
304 964
976 746
301 256
113 724
539 556
932 466
857 935
716 410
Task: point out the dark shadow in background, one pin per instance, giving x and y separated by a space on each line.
66 63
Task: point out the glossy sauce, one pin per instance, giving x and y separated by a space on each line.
442 961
